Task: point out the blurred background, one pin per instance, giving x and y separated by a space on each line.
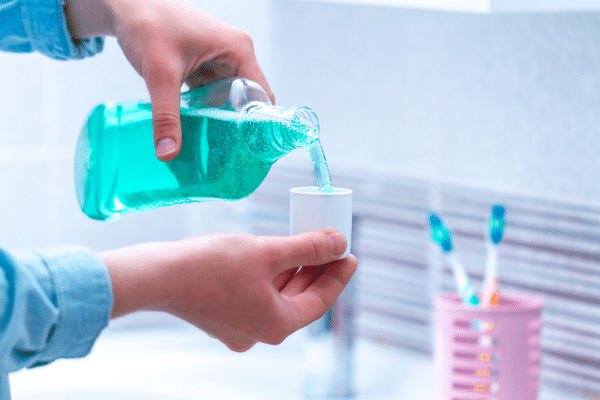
420 109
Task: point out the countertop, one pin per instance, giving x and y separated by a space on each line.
177 361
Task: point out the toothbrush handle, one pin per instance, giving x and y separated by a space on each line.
465 288
459 273
491 262
489 294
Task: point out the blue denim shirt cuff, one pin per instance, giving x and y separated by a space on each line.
46 27
84 297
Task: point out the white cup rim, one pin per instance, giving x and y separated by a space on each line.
316 191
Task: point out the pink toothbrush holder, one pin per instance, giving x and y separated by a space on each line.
488 353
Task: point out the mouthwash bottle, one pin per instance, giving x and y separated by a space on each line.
231 136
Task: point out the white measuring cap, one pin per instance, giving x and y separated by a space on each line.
314 210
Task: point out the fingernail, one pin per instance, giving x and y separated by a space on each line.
338 242
165 146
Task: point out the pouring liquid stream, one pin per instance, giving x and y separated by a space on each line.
317 156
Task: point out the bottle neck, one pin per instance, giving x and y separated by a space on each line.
270 132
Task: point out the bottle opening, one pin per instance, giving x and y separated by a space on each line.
306 121
270 131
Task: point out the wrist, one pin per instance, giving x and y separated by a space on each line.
139 276
89 18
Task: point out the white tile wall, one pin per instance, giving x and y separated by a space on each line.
506 101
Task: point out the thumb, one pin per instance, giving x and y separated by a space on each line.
310 248
166 120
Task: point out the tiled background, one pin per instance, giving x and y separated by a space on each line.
505 101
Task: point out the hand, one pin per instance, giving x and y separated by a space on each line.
168 43
239 288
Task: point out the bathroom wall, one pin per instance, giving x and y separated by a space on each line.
502 101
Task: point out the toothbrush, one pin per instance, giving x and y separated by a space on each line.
441 235
489 293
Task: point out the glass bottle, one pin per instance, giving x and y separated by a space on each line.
231 136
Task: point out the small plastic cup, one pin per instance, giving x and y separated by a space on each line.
488 353
314 210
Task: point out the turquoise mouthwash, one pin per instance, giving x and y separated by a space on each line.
317 156
231 136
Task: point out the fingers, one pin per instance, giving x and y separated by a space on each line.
233 340
312 292
243 64
301 280
312 248
252 71
247 65
165 95
204 75
283 279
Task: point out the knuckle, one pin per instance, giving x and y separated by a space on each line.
277 254
271 251
242 38
276 327
276 335
315 248
146 26
164 121
239 346
277 340
242 43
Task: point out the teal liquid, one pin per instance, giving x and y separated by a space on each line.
320 167
117 172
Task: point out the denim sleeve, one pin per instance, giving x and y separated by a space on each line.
53 304
41 25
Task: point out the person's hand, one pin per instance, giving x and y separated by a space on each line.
239 288
169 43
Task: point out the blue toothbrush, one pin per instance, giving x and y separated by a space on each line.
441 235
489 294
